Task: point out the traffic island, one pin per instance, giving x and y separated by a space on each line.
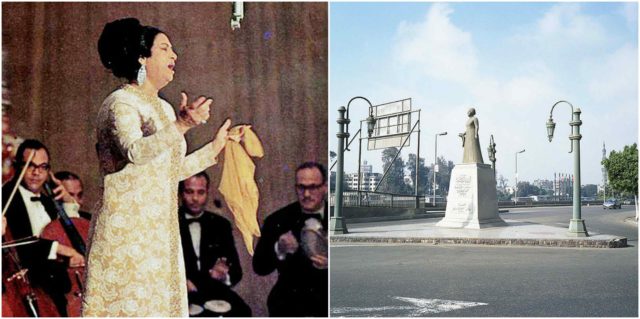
516 233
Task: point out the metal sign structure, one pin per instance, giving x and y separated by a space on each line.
393 125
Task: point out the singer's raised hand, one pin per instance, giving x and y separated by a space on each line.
194 114
222 135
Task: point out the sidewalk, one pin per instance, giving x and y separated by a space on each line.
518 233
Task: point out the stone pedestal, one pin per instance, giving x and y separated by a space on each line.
472 201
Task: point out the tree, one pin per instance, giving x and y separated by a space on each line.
589 190
622 169
502 196
501 188
394 181
423 177
527 189
332 156
443 176
502 182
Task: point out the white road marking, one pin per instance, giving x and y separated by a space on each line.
430 306
368 311
418 308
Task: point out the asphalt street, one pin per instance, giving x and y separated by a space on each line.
470 281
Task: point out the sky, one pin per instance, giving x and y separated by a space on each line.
510 61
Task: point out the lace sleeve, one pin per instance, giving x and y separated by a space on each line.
198 161
126 127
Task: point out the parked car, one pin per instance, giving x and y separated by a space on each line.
611 204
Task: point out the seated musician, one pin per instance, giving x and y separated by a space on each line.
303 275
73 184
29 212
211 260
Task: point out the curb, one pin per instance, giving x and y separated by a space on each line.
428 214
619 242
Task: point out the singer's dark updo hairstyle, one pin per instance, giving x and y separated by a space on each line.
122 43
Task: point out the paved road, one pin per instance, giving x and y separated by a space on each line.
465 281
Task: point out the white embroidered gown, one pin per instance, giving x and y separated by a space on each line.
135 266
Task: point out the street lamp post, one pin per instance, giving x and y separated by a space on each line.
371 122
577 226
338 224
435 163
516 191
492 155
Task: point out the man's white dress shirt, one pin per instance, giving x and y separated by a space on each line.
38 215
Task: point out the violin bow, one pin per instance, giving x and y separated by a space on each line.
15 188
21 242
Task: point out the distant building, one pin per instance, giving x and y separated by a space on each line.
370 181
605 178
369 178
366 169
563 188
544 184
539 198
351 180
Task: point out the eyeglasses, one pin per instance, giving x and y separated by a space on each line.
300 188
43 167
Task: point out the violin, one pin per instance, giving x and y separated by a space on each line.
73 232
19 297
64 231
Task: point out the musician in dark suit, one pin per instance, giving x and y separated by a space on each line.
211 260
73 184
29 212
302 286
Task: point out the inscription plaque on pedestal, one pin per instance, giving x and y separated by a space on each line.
472 201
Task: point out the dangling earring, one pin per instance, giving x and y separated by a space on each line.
142 75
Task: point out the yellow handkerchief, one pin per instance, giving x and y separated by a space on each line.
238 186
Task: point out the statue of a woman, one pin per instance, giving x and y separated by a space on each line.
471 140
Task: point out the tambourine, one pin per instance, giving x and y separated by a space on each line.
217 306
314 238
195 310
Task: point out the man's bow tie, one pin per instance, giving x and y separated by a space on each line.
194 220
36 199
